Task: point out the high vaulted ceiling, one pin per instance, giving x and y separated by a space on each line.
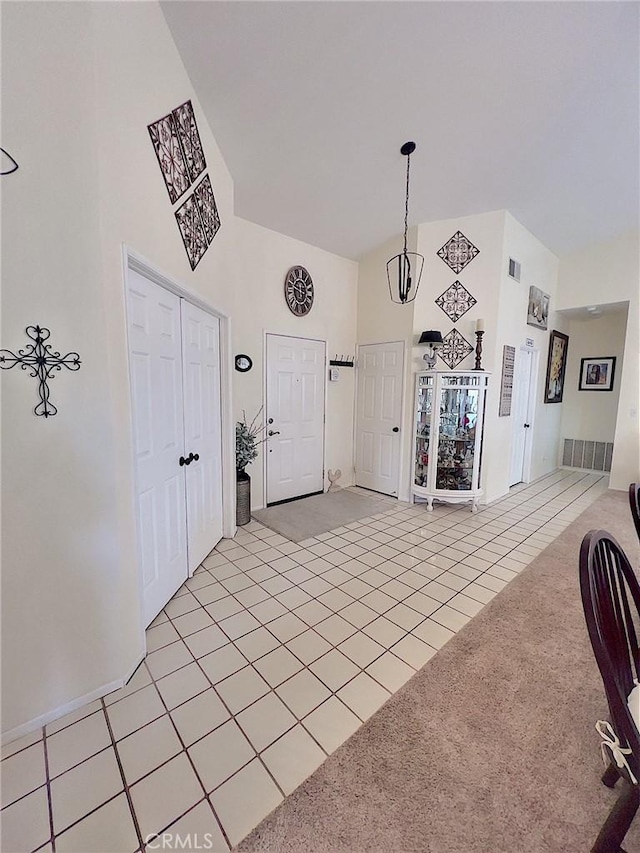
527 106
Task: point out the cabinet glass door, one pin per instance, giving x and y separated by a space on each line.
423 429
457 438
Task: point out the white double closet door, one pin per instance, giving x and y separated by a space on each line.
174 353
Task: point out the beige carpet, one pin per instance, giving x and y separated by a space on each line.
491 747
298 520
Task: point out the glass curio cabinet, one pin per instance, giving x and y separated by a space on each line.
449 410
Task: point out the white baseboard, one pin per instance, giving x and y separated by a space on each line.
56 713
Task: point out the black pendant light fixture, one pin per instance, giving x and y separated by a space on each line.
405 270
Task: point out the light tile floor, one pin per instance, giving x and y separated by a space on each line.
262 664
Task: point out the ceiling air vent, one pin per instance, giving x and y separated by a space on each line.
514 269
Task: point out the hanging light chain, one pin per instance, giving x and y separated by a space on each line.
406 206
404 284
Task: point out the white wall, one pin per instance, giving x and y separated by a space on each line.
64 581
259 307
540 269
592 415
481 278
380 321
606 273
502 303
76 106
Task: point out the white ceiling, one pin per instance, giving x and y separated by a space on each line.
527 106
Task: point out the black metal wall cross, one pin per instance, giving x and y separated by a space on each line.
38 358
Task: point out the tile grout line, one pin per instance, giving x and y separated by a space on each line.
134 816
48 784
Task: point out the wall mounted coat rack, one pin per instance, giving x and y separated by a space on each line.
41 361
343 361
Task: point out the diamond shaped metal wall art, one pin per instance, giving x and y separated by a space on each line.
456 348
455 301
207 208
192 230
164 135
187 128
458 252
177 144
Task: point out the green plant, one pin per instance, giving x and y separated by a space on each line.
248 438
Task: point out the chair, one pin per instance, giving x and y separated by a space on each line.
634 503
611 601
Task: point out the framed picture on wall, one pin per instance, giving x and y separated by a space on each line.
538 308
556 367
596 374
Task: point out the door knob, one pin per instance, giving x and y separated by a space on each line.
526 426
196 456
396 429
182 461
274 432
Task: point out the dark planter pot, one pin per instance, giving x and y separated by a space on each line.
243 498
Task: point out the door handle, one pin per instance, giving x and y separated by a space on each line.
396 429
526 426
274 432
192 457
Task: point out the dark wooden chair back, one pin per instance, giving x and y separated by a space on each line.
634 503
611 601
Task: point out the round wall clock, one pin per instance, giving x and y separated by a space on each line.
243 363
298 291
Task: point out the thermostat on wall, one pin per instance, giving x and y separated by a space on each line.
243 363
334 374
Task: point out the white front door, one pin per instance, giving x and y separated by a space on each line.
379 416
295 417
156 383
520 416
202 429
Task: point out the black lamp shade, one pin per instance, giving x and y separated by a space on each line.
431 337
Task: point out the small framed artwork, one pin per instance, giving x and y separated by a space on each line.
556 367
538 310
596 374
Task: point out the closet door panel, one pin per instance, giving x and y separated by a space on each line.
155 347
202 422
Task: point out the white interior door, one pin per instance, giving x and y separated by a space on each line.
202 428
156 382
379 416
520 418
295 417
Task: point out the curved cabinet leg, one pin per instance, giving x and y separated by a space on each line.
474 505
429 504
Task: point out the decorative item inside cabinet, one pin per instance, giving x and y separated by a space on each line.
423 433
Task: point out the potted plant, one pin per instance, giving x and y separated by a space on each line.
248 438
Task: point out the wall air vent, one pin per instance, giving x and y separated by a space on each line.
592 455
514 269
